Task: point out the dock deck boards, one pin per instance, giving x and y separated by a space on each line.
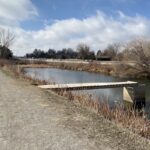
80 86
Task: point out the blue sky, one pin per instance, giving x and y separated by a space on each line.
50 10
66 23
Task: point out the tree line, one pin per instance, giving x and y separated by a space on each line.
82 51
136 50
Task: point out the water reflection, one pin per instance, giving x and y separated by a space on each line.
67 76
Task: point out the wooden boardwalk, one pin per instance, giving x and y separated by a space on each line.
86 86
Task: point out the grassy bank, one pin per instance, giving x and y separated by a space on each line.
120 69
127 118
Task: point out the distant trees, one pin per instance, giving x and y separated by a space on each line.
84 52
66 54
6 39
37 53
102 56
99 53
111 51
51 53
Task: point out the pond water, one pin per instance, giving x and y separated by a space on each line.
114 95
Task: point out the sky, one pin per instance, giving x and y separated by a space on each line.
58 24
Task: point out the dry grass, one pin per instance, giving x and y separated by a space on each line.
19 72
134 120
6 62
120 70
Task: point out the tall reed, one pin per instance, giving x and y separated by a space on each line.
134 120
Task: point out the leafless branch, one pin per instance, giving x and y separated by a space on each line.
6 38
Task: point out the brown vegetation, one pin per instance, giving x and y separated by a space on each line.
139 51
127 118
120 70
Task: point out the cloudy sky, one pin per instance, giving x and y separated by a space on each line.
65 23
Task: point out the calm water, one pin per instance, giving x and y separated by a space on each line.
66 76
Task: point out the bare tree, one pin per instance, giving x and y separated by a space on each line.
111 50
83 50
6 38
139 51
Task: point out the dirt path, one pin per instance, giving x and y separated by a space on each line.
32 119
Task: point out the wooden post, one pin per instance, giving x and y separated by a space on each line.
135 96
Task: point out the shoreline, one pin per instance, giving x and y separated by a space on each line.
121 70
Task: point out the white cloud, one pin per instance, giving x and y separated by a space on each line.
97 31
13 11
